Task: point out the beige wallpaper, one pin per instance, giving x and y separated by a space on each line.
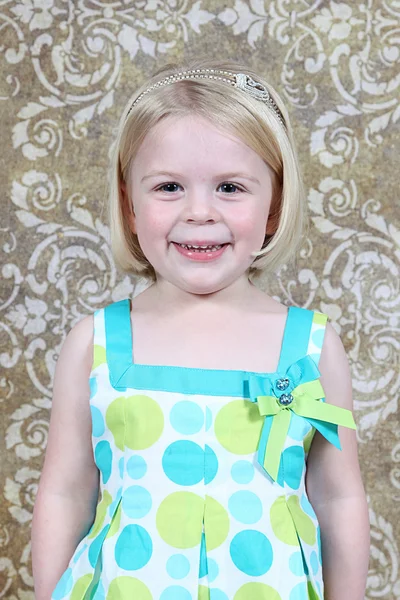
66 70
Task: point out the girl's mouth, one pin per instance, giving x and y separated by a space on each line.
201 253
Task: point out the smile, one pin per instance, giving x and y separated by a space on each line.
201 248
201 253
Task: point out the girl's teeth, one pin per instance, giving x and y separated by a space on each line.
201 248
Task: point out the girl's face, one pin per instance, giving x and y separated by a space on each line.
191 183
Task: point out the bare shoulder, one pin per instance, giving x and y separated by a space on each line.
69 463
335 370
71 380
78 344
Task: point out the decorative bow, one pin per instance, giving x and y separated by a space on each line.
299 390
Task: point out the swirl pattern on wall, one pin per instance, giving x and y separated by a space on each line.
66 70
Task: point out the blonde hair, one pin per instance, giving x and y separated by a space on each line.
230 109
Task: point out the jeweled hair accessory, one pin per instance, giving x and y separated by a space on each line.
240 80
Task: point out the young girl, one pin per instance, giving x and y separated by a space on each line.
203 414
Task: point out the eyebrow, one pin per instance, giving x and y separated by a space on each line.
219 177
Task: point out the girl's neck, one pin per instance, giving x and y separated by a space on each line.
165 298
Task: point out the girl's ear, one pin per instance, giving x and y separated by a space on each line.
127 207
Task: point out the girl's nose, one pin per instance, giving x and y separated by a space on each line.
200 207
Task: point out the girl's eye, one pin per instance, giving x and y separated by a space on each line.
232 185
164 185
172 184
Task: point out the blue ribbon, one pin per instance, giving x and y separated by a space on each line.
302 371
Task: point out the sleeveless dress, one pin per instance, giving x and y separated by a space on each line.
202 474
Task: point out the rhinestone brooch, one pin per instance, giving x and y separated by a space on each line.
282 383
285 399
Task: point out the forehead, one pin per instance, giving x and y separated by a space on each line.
193 141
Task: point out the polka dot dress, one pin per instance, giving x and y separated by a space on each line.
187 509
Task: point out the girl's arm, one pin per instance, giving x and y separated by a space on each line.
68 490
335 488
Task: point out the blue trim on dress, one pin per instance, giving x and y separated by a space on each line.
125 374
295 337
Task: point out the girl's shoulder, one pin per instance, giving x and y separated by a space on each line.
76 353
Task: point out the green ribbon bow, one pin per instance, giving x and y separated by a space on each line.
298 390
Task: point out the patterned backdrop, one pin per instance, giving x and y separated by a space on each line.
67 69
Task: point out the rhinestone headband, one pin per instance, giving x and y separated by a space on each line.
240 80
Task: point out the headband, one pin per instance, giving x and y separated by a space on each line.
240 80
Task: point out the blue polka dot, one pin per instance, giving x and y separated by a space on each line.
245 506
307 507
298 428
136 502
176 592
64 586
293 461
95 546
213 569
210 464
97 422
299 592
318 337
93 386
203 557
178 566
79 553
136 467
296 564
251 552
216 594
113 505
183 462
314 562
98 592
134 548
242 471
208 418
103 457
187 417
121 467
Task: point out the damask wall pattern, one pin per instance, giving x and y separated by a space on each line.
67 68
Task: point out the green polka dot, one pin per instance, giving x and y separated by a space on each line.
308 439
282 522
115 522
99 356
238 426
101 511
216 523
256 591
146 422
80 587
179 519
204 593
115 419
304 525
319 318
128 587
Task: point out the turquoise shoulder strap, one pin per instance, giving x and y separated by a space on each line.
118 338
295 336
304 334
